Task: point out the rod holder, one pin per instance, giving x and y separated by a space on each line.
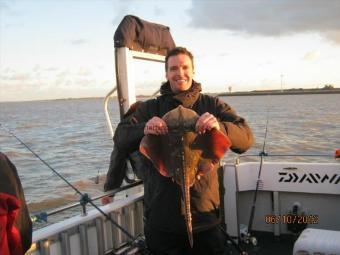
84 199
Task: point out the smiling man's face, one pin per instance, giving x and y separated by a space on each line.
179 72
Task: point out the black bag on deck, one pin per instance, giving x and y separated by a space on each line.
140 35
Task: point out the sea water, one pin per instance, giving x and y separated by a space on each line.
72 136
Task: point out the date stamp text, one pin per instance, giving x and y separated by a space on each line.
291 219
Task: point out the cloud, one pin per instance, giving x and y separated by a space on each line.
36 68
223 54
51 69
12 81
333 35
86 82
84 71
270 17
79 41
4 6
158 12
15 76
63 74
7 7
312 55
122 8
62 78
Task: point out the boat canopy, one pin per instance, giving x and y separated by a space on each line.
140 35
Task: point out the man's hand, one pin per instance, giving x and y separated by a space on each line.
106 200
206 122
155 126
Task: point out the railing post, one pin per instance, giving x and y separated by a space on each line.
65 244
100 236
44 247
83 239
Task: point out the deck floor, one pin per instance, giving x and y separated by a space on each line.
268 244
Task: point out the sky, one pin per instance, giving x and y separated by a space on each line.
51 49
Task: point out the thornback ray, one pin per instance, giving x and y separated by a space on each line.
184 155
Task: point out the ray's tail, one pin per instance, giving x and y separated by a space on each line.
185 188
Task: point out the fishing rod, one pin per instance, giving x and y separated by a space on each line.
84 196
259 182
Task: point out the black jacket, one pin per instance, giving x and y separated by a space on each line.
162 198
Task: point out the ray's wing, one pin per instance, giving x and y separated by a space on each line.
150 148
213 146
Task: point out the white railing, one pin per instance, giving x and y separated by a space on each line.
91 234
125 80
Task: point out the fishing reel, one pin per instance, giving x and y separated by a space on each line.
250 240
136 247
246 237
236 245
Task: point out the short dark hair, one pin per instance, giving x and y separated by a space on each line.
177 51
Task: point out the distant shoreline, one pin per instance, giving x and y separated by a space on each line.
282 92
239 93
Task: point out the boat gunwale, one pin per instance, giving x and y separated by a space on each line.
56 228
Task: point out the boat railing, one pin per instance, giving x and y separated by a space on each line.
243 157
125 80
92 233
42 216
106 109
286 155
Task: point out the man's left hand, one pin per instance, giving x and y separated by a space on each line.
206 122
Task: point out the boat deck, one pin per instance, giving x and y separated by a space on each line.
268 244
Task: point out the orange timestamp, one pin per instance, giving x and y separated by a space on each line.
291 219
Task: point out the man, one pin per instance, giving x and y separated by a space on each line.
165 228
